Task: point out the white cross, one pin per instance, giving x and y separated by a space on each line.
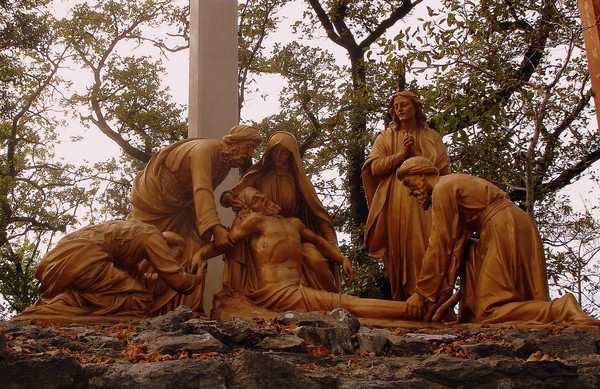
213 101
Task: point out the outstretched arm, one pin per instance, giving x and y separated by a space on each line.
330 251
249 226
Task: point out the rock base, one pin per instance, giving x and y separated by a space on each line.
294 350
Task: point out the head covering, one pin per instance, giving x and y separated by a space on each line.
242 133
314 207
416 166
287 141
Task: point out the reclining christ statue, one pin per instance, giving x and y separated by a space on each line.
276 254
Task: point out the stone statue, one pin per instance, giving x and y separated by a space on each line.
281 177
96 273
175 192
276 255
505 272
397 229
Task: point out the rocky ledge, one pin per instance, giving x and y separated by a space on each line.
294 350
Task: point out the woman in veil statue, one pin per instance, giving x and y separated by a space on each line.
280 175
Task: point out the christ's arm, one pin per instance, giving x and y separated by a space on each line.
249 226
329 250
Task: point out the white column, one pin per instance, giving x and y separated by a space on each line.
213 101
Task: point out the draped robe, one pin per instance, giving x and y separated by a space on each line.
505 271
175 192
93 274
296 196
397 227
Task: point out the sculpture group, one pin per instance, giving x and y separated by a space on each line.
281 251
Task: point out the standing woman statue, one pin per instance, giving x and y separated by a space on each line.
397 228
281 177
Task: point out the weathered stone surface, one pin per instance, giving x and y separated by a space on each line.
345 319
48 372
190 373
180 353
571 342
454 371
16 329
235 332
98 342
192 344
333 331
484 350
284 342
171 321
372 341
254 370
311 319
403 346
434 338
334 338
523 348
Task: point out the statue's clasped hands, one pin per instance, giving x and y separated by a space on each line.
409 140
412 147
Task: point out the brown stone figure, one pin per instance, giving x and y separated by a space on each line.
397 228
94 273
505 272
175 192
280 176
276 255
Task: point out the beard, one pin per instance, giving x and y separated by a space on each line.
271 209
425 202
423 195
230 155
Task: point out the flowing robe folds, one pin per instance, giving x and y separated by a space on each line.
296 196
175 192
505 273
397 227
93 274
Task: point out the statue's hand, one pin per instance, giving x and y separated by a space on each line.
414 307
348 271
226 198
409 140
198 265
236 205
230 199
221 238
203 269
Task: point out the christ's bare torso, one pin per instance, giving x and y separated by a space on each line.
276 249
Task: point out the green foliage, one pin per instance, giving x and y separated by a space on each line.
509 80
126 98
18 285
572 242
40 194
370 279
